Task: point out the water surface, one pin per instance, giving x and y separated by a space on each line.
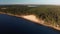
20 25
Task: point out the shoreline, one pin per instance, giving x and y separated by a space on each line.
39 21
35 20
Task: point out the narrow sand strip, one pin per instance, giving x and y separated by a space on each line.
32 18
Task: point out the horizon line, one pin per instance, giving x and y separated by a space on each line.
29 4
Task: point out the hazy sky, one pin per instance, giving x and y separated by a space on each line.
30 2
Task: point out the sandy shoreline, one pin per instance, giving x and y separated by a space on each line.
32 18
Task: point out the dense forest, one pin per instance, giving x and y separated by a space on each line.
49 13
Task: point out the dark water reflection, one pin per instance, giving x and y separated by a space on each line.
20 25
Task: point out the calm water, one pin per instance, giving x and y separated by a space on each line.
20 25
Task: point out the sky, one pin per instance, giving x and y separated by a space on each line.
57 2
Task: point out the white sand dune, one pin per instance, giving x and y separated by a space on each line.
32 18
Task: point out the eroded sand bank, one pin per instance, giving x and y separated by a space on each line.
32 18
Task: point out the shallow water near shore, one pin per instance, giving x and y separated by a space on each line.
15 24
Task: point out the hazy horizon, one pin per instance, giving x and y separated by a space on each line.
38 2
